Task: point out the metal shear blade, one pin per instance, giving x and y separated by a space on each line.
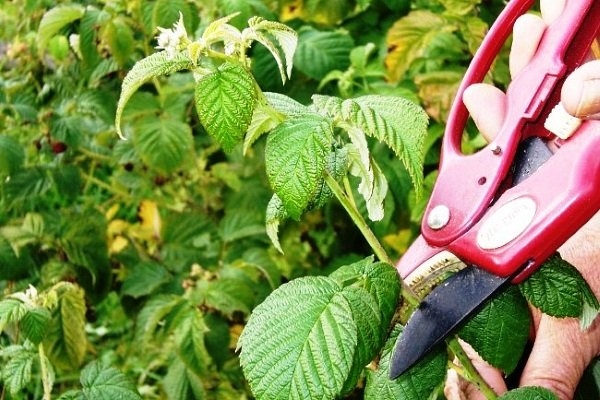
441 312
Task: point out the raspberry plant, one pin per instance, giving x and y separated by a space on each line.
263 140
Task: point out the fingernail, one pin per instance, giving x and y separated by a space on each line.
589 102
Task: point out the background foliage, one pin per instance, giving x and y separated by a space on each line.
134 264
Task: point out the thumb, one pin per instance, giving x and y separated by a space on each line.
560 354
581 91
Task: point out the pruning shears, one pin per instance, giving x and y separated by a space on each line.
498 214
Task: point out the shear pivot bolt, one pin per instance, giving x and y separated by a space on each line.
438 217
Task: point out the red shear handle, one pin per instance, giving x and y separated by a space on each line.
542 212
467 184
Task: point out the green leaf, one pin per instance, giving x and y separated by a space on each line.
181 383
286 105
144 279
11 310
164 144
416 383
153 66
322 51
372 290
16 372
275 215
231 292
240 223
158 313
190 342
558 289
120 40
278 38
106 383
529 393
225 101
66 342
263 120
12 155
34 324
295 160
12 265
336 166
378 279
499 332
300 342
395 121
54 20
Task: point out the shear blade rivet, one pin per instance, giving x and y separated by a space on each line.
438 217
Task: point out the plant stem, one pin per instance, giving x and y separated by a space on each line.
468 370
348 203
47 378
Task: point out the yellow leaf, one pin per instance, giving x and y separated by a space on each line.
408 39
117 244
111 212
150 217
399 241
437 90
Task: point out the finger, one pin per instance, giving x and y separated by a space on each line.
558 358
581 91
527 33
551 10
487 105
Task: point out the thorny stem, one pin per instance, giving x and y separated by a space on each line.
347 202
468 370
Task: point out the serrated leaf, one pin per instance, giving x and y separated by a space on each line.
181 383
144 279
416 383
106 383
395 121
372 290
373 185
286 105
120 40
157 313
499 332
231 293
278 38
378 279
337 166
54 20
300 342
263 121
34 324
16 372
153 66
322 51
295 160
408 39
225 101
164 144
558 289
190 342
275 215
529 393
11 310
66 341
12 155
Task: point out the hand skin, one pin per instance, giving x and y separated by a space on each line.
561 351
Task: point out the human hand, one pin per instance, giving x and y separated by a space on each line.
561 351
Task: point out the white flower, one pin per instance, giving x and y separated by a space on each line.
173 40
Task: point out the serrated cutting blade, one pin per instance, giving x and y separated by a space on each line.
446 307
